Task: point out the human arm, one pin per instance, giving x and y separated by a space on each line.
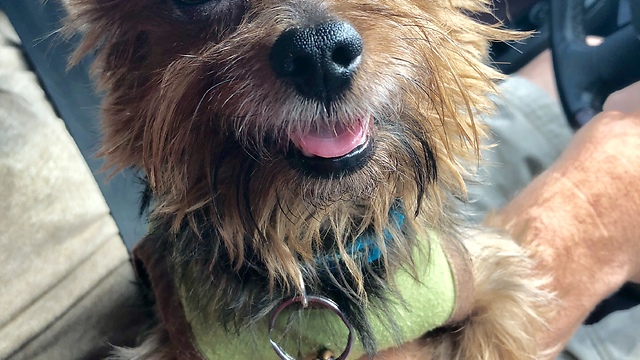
580 220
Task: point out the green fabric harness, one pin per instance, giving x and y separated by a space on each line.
437 297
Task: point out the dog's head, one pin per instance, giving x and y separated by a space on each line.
276 132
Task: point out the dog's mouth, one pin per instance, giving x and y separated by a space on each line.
333 140
331 148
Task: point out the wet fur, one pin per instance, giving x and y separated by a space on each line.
191 101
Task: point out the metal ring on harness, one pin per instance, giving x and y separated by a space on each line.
314 301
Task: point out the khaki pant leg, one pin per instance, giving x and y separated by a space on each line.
67 287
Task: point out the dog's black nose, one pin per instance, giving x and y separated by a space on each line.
320 61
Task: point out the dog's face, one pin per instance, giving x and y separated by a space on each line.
285 129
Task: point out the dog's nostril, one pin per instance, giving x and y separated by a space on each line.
320 61
345 55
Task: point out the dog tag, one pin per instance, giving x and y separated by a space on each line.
316 302
325 355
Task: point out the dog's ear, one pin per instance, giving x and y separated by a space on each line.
119 49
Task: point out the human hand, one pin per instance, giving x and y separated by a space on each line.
625 100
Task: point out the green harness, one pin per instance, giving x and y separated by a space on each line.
437 297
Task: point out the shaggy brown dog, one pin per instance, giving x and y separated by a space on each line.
276 135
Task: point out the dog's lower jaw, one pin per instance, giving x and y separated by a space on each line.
314 166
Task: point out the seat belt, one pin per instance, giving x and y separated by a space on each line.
73 98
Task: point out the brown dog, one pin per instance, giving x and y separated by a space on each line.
308 150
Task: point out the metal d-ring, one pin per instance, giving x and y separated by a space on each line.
315 300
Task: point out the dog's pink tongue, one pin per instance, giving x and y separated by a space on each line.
332 141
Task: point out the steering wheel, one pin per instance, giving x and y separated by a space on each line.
587 75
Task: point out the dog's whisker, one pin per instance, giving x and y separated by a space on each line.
207 92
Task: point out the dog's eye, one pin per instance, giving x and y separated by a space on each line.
196 9
224 13
191 2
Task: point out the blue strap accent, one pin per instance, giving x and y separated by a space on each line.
366 244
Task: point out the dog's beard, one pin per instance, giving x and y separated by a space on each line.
268 221
242 222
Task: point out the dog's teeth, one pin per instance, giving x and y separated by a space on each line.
307 154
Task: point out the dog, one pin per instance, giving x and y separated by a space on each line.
298 156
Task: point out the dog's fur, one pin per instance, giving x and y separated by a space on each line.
191 100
